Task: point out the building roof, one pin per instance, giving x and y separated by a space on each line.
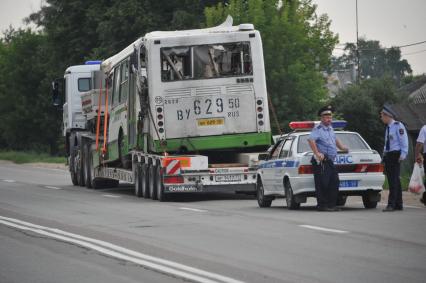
413 111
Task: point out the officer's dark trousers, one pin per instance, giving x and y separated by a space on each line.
326 180
392 171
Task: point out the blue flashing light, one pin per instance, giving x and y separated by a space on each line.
95 62
339 124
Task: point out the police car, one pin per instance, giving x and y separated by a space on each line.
286 170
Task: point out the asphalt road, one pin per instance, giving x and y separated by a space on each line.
51 231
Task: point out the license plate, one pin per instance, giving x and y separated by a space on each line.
349 183
210 122
228 178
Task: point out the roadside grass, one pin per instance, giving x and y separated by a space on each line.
405 180
21 157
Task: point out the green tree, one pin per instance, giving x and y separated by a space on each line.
297 45
375 61
27 119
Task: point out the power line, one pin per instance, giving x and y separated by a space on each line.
416 52
386 48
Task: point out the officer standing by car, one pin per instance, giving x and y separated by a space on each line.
421 155
395 150
324 143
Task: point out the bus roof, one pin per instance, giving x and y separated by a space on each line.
225 27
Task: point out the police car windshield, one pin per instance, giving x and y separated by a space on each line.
351 140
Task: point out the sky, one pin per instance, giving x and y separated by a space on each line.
392 22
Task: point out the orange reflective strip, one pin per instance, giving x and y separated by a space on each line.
184 161
98 121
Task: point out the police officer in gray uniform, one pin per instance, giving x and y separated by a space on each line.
324 145
395 150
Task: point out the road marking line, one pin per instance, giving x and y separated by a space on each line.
162 265
111 196
53 188
9 181
323 229
192 209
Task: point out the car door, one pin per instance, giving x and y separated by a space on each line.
281 165
269 166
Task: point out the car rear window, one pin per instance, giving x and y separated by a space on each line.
351 140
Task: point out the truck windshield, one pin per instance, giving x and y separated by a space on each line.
351 140
206 61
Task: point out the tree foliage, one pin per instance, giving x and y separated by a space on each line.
297 44
375 61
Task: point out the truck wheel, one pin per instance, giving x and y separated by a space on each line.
369 201
88 167
262 200
341 200
289 197
82 164
144 180
138 181
72 167
159 186
78 166
151 181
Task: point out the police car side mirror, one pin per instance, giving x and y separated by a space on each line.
263 156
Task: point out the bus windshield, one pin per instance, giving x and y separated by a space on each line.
206 61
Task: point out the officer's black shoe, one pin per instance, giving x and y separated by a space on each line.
399 208
388 209
422 200
321 208
335 209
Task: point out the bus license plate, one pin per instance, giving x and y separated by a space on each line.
349 183
210 122
228 178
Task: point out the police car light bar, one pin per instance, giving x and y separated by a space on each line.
307 125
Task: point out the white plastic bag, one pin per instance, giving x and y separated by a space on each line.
416 185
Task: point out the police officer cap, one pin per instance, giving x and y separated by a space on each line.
388 111
326 110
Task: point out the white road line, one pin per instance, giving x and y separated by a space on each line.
162 265
323 229
53 188
111 196
9 181
192 209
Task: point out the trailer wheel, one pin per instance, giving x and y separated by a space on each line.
78 166
138 181
83 158
151 181
144 180
72 167
159 186
88 166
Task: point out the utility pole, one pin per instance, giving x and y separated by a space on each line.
358 77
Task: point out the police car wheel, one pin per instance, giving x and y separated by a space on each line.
289 197
368 202
341 200
262 200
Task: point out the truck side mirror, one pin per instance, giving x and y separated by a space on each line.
263 156
56 99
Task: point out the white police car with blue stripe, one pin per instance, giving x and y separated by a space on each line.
286 170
